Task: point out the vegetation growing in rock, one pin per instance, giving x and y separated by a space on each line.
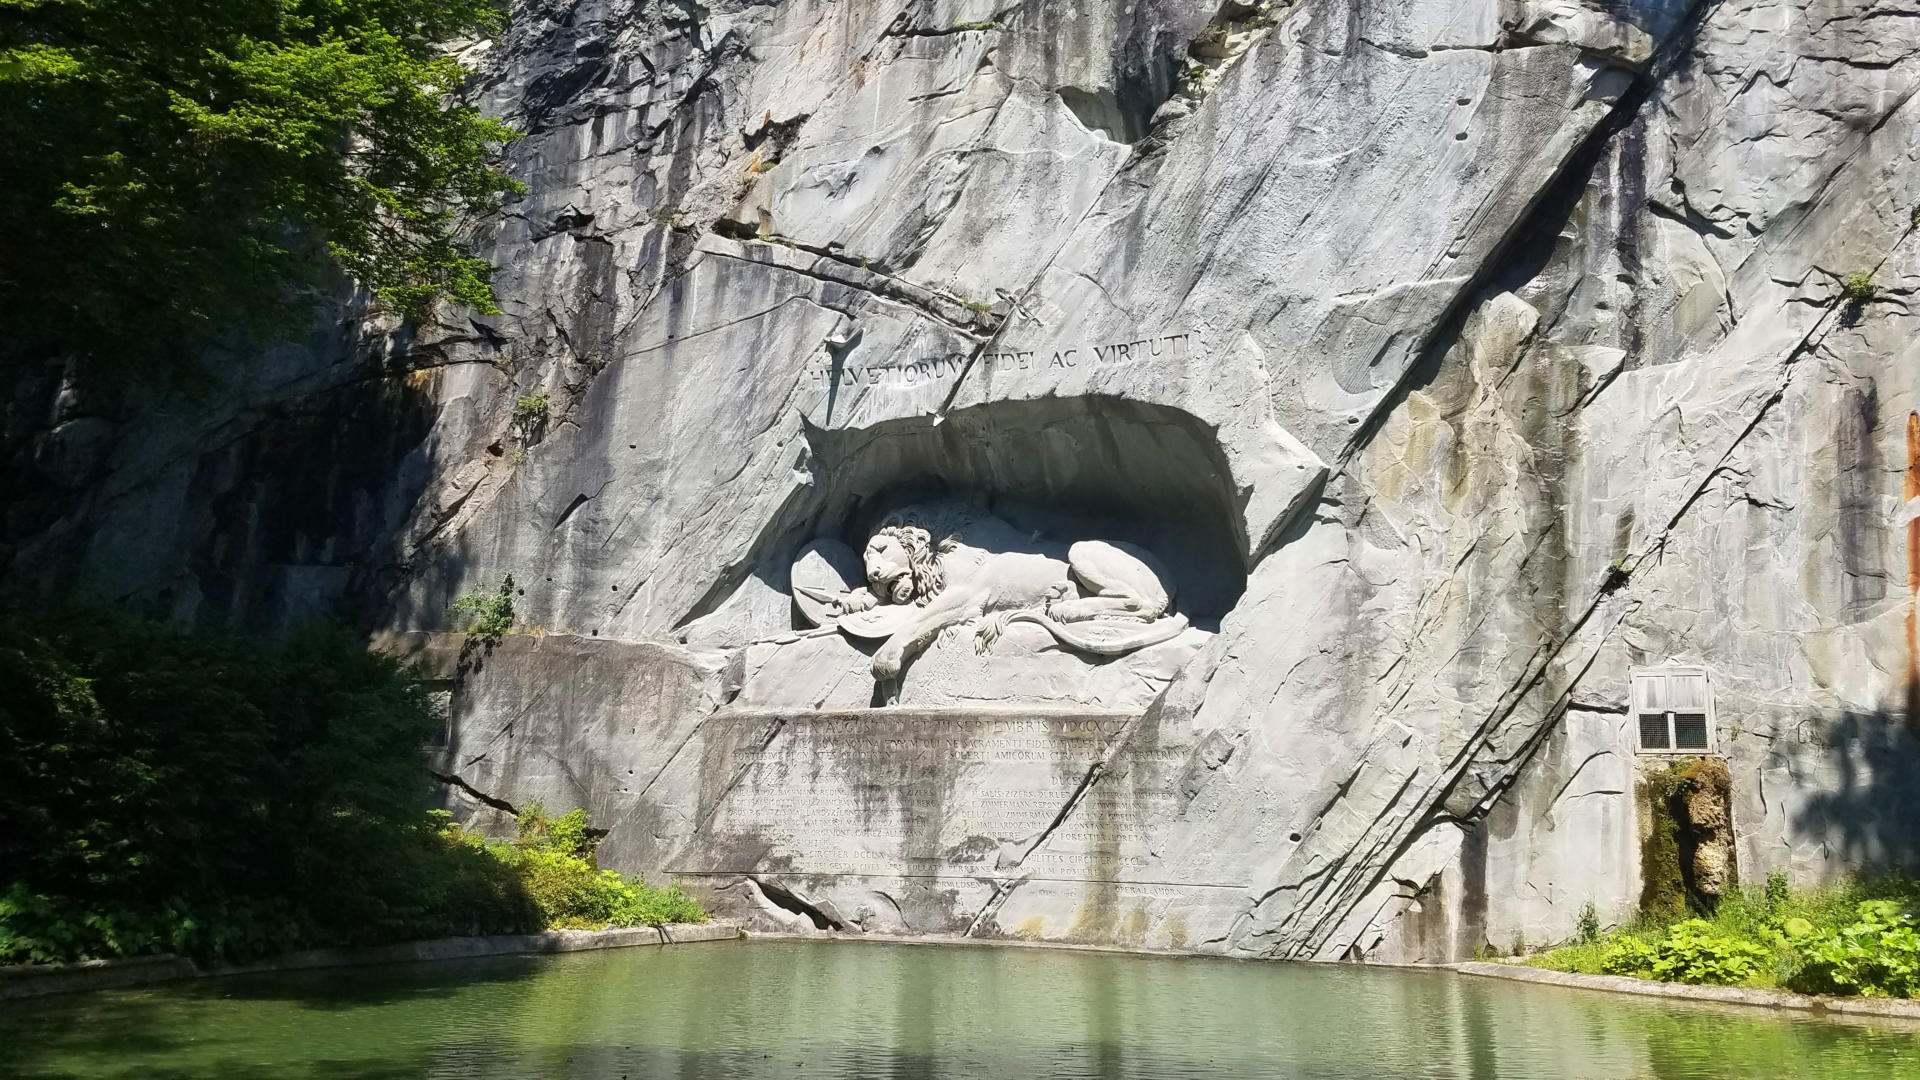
179 171
529 412
1858 287
1619 572
1856 938
1588 928
489 616
171 791
1681 872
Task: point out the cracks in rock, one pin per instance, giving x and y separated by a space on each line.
1529 243
788 900
448 516
1002 888
578 501
1575 775
773 732
1087 781
1343 896
1233 32
671 758
898 911
840 269
904 25
453 780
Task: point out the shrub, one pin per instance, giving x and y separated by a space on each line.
164 790
1778 892
1858 287
529 412
1855 937
1691 953
1588 930
489 615
558 860
1876 955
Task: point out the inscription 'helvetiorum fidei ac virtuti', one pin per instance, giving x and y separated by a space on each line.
1163 348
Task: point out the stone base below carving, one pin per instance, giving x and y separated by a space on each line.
1004 822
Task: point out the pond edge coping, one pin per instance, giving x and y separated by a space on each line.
1903 1008
36 980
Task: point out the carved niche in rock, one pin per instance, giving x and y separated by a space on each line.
927 570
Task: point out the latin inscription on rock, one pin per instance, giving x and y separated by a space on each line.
880 793
1058 358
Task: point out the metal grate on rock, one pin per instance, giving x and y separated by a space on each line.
1653 732
1689 731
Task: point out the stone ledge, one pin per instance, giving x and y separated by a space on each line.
932 713
33 980
1901 1008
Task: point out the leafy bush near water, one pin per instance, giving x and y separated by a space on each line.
1858 938
1690 953
163 790
556 859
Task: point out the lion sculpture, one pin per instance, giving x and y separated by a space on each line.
928 572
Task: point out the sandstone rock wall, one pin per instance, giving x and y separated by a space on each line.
1469 353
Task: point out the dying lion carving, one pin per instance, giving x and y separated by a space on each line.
928 572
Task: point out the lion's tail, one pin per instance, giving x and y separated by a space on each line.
1153 633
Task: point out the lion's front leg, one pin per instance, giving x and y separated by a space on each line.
941 612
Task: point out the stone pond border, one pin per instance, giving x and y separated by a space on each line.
1899 1008
36 980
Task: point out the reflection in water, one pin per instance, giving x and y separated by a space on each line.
802 1009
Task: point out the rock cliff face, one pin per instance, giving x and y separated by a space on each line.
1458 357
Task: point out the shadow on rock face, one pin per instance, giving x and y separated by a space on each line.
1872 815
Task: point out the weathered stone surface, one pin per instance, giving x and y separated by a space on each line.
1456 357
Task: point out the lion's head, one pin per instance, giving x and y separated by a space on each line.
903 562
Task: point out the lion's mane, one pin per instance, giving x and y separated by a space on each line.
927 540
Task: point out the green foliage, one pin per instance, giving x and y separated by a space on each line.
1691 953
489 615
170 791
1876 955
1588 928
162 790
1854 938
1858 287
529 412
1778 892
1619 572
556 858
1663 890
177 170
982 24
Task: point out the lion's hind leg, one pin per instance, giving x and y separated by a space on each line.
1120 580
1082 608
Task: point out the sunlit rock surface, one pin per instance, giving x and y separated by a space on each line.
1457 356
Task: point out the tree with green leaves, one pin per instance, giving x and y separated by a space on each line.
178 171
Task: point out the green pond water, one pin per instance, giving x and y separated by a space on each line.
803 1009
